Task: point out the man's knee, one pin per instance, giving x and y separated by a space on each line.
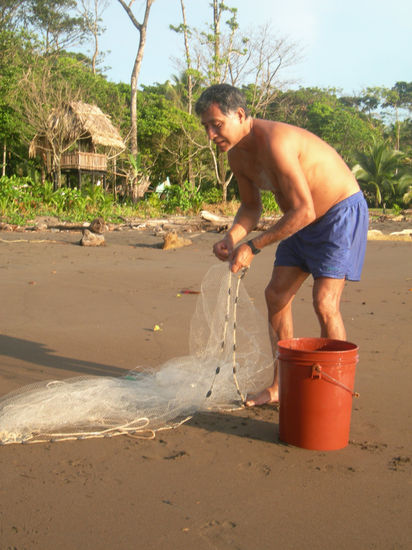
283 286
276 297
325 305
321 306
270 295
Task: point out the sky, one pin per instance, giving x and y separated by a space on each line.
348 45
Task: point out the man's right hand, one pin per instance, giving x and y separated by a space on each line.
223 249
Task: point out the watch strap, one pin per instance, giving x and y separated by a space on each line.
253 248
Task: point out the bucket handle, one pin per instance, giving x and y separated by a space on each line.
317 373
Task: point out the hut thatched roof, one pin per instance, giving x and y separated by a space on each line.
97 124
79 120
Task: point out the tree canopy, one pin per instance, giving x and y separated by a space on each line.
42 66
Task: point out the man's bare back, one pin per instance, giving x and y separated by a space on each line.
273 150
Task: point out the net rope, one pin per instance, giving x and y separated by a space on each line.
229 357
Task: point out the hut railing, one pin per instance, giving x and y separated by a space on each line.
80 160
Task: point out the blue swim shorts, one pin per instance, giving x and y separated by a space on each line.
332 246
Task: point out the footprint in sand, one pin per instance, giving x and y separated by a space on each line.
222 534
258 467
400 463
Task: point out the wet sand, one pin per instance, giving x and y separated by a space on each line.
220 481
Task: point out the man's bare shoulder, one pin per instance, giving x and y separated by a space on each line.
280 139
281 131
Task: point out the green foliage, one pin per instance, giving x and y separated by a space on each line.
14 54
163 128
269 204
54 21
153 203
212 195
158 116
407 197
393 106
182 199
23 199
382 174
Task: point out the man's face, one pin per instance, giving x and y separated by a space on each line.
224 130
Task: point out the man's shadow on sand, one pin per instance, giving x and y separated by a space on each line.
264 428
39 354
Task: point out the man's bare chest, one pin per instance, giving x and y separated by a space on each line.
262 178
264 181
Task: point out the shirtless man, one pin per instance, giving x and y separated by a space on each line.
325 217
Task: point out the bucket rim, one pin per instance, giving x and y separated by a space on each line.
285 344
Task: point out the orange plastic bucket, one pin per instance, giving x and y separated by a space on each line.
316 380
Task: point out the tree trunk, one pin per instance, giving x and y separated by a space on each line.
189 92
3 170
217 12
95 53
398 134
57 173
141 27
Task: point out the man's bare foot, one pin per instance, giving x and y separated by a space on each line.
268 396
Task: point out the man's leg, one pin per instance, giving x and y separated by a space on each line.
326 301
279 293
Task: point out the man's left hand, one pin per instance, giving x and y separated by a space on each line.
241 257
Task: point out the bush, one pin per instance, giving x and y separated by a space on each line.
22 199
182 199
269 204
16 200
213 195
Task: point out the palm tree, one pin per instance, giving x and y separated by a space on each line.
382 174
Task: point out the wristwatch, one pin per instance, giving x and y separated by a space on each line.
253 248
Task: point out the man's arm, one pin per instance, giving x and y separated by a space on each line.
249 211
246 217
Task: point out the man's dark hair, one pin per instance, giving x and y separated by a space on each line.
227 97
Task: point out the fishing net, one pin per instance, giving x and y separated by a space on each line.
229 358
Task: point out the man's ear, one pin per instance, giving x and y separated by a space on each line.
240 113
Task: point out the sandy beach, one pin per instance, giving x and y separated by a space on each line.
220 481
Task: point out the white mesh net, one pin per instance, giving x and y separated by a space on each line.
229 358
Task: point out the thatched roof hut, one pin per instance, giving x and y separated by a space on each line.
81 124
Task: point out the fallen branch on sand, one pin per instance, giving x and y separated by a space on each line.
377 235
32 241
